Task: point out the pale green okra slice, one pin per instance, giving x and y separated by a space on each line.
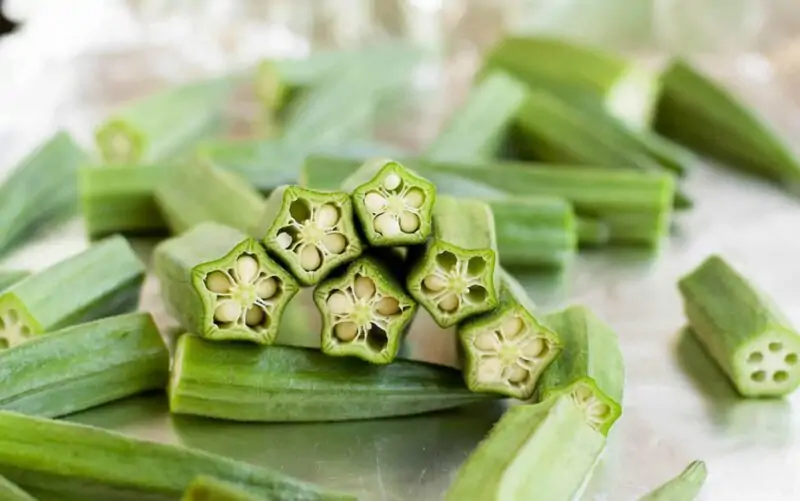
220 284
311 232
684 487
365 312
103 280
205 488
742 329
10 491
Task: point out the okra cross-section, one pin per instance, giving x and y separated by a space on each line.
456 275
311 232
393 205
220 284
742 329
507 349
365 312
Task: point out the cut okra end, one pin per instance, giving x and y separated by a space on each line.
395 207
768 366
313 233
365 313
16 324
601 412
119 143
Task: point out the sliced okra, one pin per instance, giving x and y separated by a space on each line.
456 275
742 329
220 284
507 349
310 231
365 312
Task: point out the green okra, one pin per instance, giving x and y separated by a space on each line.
205 488
11 492
592 232
742 329
590 369
365 312
394 206
84 366
478 128
194 193
684 487
543 452
456 275
40 191
10 277
121 199
507 349
60 460
220 284
103 280
310 231
164 125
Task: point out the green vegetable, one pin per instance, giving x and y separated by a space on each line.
84 366
100 281
592 232
456 275
121 199
220 284
742 329
543 452
684 487
60 460
365 312
278 383
210 489
506 350
10 277
590 368
11 492
40 191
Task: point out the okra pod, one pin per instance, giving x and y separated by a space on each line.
592 232
543 452
206 488
220 284
10 277
11 492
456 275
393 205
506 350
742 329
310 231
61 460
280 383
590 369
40 191
684 487
365 312
121 199
84 366
100 281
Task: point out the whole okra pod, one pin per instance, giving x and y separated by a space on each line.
684 487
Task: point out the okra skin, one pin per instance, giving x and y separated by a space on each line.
684 487
103 280
543 451
60 460
84 366
592 232
590 369
11 492
742 329
10 277
206 488
186 266
286 384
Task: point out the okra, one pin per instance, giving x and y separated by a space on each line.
84 366
164 125
10 277
480 125
40 191
194 193
365 312
100 281
206 488
281 383
590 369
506 350
61 460
121 199
456 275
684 487
310 231
742 329
11 492
393 205
592 232
543 452
220 284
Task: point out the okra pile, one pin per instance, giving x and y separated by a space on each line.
296 262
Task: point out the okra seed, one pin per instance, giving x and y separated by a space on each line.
392 181
254 316
327 216
227 311
533 348
388 306
374 202
310 258
284 240
339 303
364 287
775 347
599 410
487 342
791 359
512 326
266 287
434 283
247 268
346 331
415 198
335 243
755 357
758 376
517 374
582 393
300 210
780 376
218 282
386 224
449 303
409 222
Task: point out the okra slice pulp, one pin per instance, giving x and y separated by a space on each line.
742 329
365 312
684 487
310 231
456 275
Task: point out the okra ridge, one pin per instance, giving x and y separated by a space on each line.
769 365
